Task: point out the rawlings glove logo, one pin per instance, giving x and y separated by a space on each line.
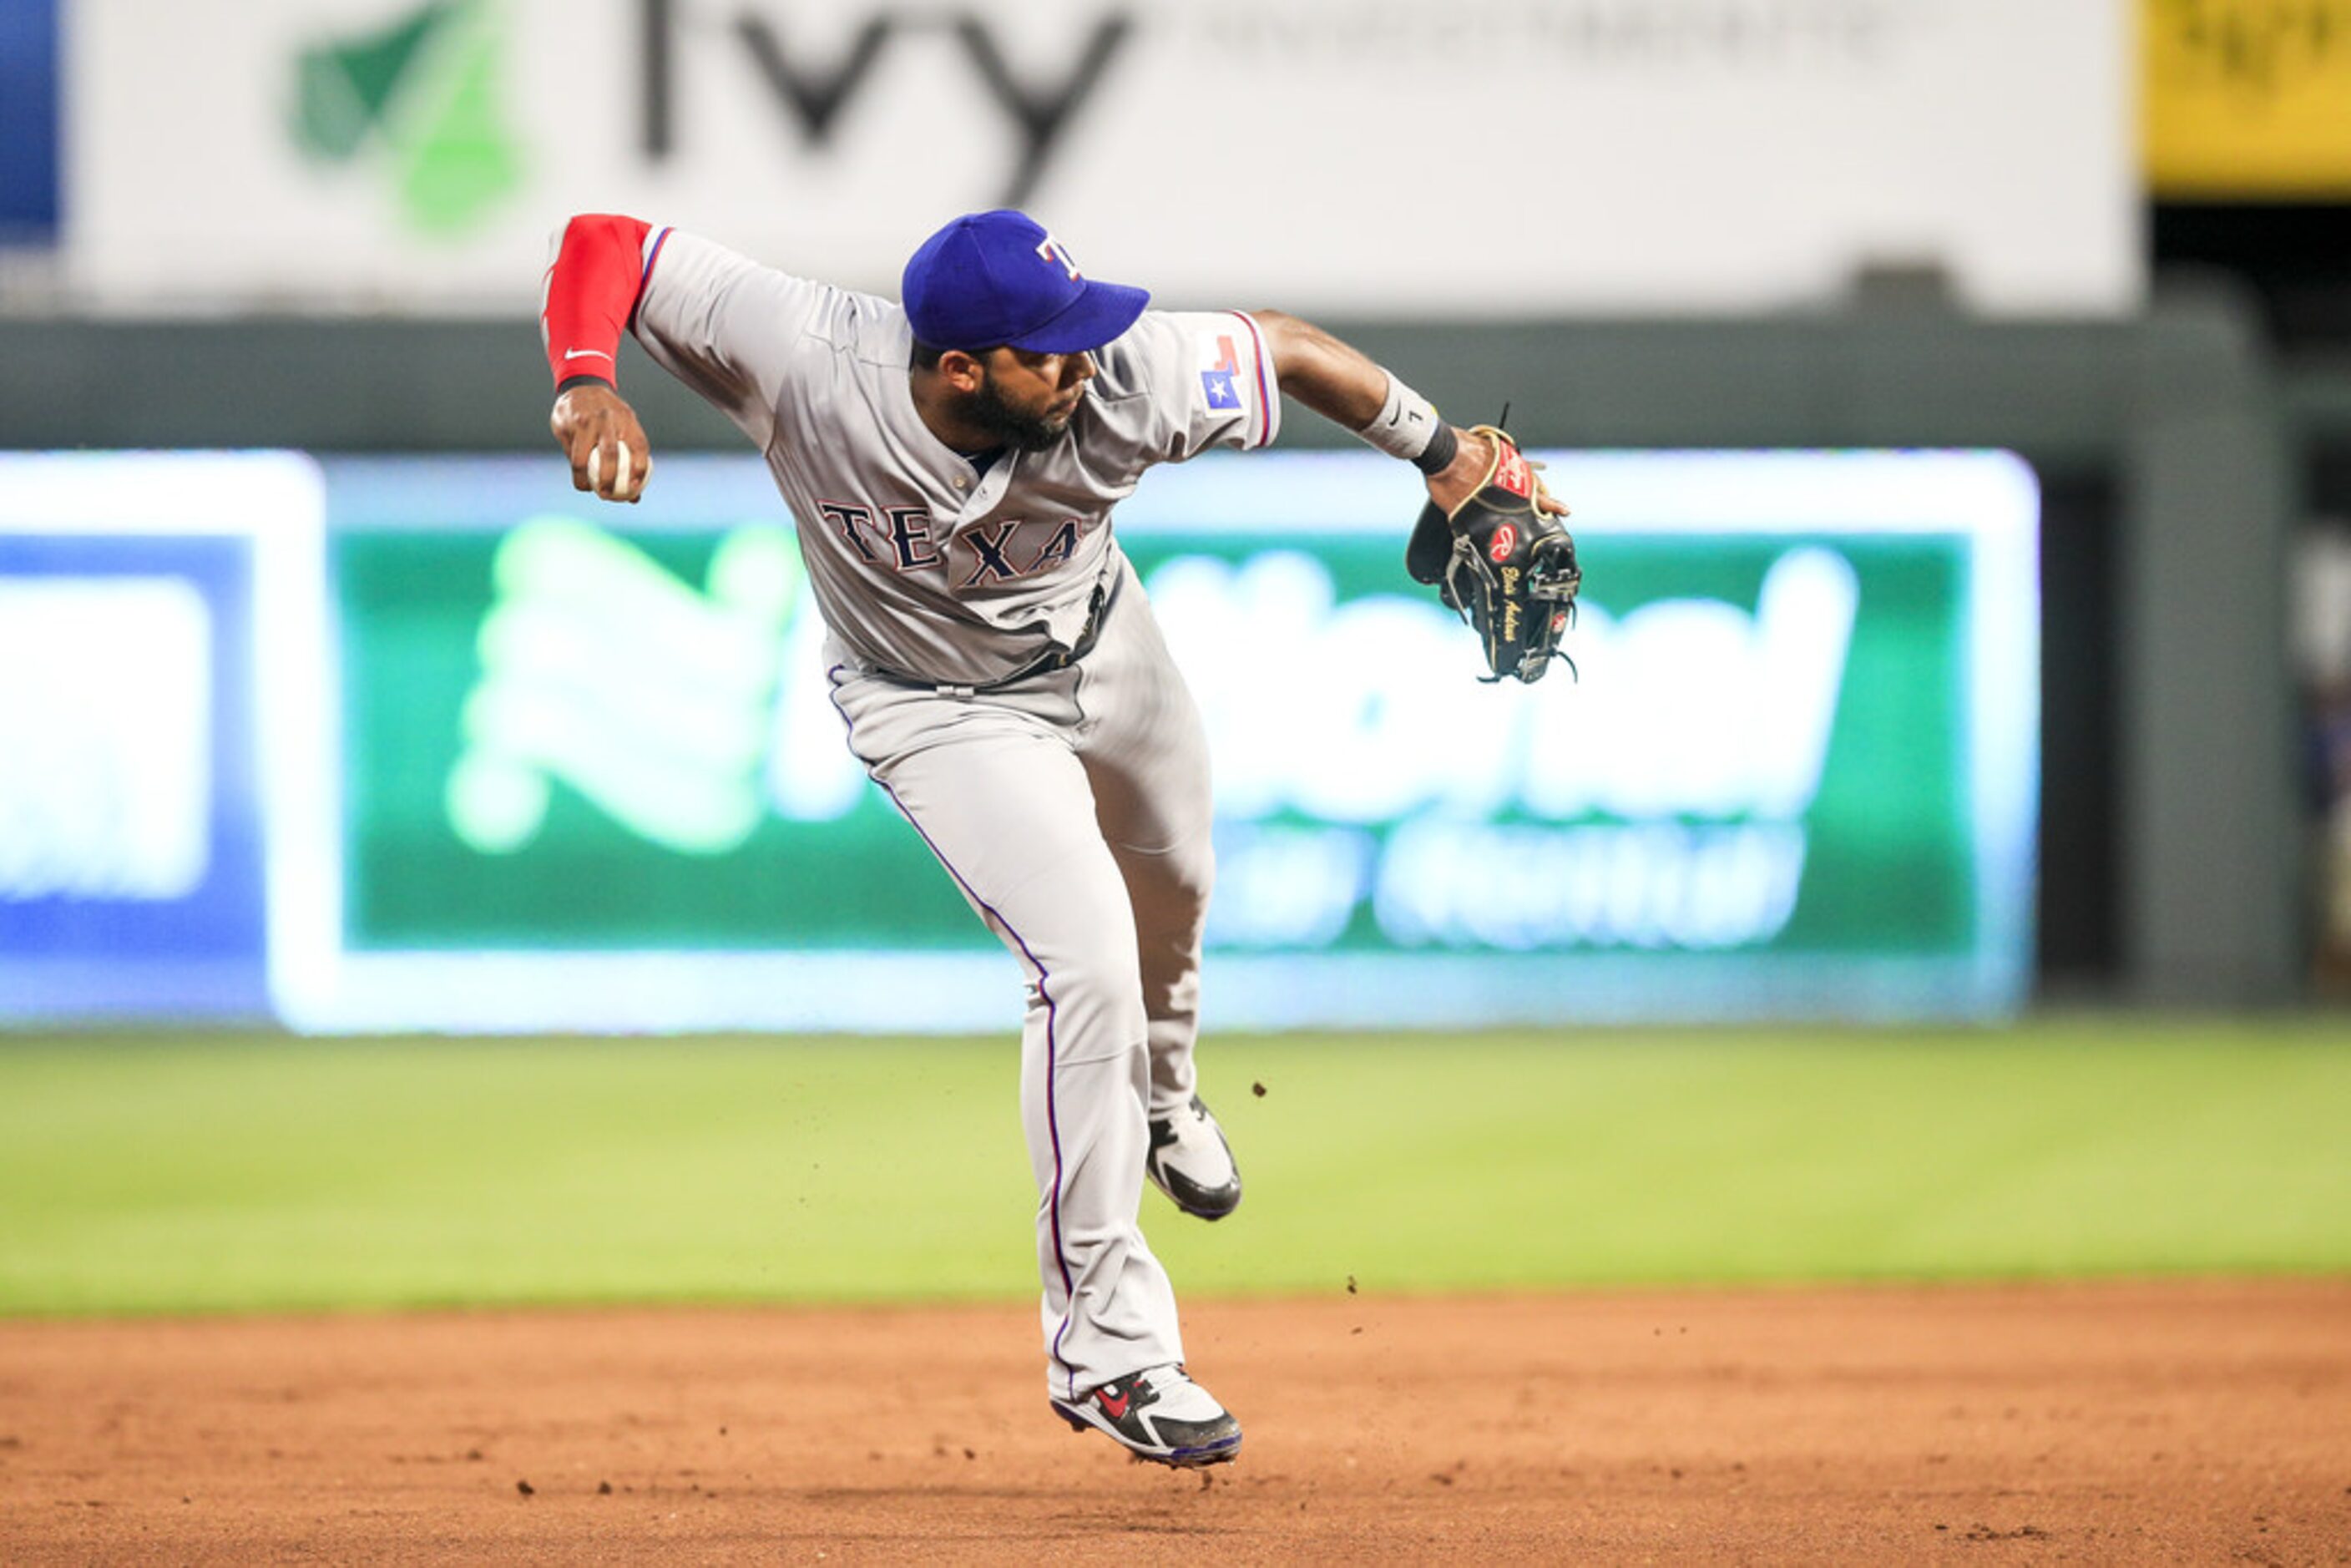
1504 562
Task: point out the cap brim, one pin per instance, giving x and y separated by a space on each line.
1101 312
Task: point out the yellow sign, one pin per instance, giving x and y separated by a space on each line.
2247 99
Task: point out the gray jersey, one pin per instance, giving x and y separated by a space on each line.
922 564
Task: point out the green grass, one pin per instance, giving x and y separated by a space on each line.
224 1174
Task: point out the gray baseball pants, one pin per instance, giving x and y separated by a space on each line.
1072 809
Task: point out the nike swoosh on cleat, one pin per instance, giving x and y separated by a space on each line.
1117 1407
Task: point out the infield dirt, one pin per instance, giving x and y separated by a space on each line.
2133 1423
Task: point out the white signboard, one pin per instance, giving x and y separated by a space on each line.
1480 158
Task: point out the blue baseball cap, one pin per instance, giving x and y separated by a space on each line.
991 278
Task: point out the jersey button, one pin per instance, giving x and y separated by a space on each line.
962 483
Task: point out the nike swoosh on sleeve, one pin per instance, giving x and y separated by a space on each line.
586 354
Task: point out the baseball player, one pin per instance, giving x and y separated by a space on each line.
952 461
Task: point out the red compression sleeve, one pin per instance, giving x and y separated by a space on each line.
591 288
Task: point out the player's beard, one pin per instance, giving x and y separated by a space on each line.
987 409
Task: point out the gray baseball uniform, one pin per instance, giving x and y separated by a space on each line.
1071 805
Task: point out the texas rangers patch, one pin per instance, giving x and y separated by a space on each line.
1220 372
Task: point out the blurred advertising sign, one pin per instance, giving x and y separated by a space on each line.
2247 99
1639 155
162 629
591 779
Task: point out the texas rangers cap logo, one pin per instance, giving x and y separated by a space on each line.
1054 251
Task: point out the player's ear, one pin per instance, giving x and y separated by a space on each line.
963 372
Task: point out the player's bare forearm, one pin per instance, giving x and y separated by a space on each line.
600 434
1347 387
1336 379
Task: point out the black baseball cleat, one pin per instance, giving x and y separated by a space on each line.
1192 1164
1159 1415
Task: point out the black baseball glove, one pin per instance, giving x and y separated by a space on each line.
1506 564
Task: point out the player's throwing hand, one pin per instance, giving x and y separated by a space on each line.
599 432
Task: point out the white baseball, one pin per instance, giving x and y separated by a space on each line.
621 476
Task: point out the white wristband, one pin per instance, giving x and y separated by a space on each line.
1406 424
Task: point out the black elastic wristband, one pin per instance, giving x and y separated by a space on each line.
1437 455
568 382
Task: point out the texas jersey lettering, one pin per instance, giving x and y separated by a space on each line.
920 559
